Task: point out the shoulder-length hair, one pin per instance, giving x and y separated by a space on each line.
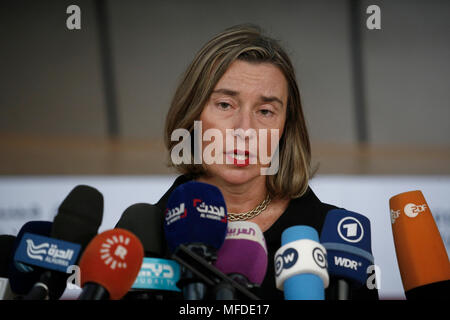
248 43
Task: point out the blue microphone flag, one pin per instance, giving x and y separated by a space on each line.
196 213
45 252
346 236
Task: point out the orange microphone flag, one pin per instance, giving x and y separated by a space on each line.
421 254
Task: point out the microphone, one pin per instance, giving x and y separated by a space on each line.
301 265
77 221
110 264
421 254
157 280
195 217
6 248
243 257
48 254
146 222
157 277
22 277
346 236
79 216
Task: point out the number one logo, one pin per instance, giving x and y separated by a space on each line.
351 229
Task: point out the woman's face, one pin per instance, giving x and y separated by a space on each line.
249 96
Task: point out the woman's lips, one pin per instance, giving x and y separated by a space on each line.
240 158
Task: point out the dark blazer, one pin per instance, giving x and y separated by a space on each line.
306 210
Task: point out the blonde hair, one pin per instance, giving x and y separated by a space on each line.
248 43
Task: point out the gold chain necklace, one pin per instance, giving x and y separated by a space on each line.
250 214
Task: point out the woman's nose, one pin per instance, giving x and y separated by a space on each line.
243 125
243 120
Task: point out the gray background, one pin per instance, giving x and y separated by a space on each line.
52 86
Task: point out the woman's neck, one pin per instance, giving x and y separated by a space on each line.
241 197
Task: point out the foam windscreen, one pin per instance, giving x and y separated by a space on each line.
421 254
79 216
196 213
22 277
146 222
244 252
112 260
346 236
6 252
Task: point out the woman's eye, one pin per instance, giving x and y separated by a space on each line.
224 105
266 112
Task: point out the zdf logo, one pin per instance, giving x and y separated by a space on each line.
412 210
350 229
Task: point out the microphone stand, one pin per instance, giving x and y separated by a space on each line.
209 275
339 289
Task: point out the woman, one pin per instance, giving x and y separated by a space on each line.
242 84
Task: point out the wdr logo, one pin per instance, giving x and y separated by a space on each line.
350 229
347 263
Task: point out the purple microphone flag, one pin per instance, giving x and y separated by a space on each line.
244 252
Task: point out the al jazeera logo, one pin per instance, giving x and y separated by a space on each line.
114 251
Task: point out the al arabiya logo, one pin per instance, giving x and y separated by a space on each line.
114 251
175 214
350 229
210 211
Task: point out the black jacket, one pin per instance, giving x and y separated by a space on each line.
306 210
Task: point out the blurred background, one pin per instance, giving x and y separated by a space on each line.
88 105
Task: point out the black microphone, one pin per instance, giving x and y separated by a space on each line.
158 277
6 249
77 221
146 222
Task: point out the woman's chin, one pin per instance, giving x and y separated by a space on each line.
236 175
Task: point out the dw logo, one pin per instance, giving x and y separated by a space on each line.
350 229
320 257
285 260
